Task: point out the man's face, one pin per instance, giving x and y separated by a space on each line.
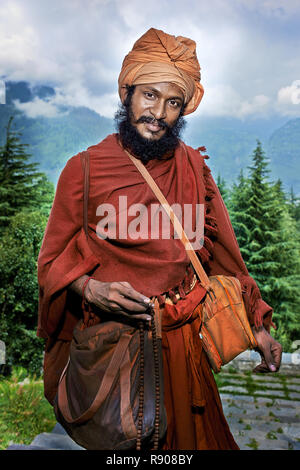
152 105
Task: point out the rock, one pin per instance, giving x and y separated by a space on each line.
25 447
55 441
236 398
58 439
292 430
274 393
233 388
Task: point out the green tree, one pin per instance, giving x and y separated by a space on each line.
19 248
268 240
239 216
26 197
285 290
22 187
263 215
224 191
294 207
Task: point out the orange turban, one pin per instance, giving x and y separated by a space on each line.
159 57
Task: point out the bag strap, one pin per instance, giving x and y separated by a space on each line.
85 161
104 389
177 225
203 278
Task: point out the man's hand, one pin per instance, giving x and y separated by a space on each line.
269 350
118 298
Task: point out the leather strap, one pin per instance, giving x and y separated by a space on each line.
104 389
128 425
203 278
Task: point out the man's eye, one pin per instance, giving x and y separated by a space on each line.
174 103
149 95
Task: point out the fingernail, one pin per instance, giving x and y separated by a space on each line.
146 300
148 318
272 368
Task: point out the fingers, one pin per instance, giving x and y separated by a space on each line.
130 300
270 351
130 305
129 292
142 317
261 368
121 298
274 359
276 350
128 314
269 359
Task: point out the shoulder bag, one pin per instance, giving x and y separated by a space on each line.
110 394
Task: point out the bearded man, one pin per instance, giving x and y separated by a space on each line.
159 83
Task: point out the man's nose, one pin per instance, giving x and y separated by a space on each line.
158 110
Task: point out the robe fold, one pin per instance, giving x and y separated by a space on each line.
152 266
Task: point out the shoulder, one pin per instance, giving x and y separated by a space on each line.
107 146
74 163
198 155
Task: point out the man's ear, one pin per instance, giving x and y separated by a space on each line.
123 93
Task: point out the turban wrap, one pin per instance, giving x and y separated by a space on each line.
159 57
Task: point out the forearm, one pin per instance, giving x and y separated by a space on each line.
77 285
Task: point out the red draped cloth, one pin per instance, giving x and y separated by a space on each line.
153 267
193 405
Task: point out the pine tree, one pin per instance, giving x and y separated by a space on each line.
294 207
26 197
19 248
268 240
238 213
285 290
224 191
263 218
21 185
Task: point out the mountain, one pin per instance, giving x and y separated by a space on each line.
230 142
24 93
284 152
52 141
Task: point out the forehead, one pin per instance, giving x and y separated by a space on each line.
164 89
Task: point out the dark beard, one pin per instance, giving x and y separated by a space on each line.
146 149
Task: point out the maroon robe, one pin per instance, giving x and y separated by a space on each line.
152 267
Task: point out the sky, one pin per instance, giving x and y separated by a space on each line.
249 51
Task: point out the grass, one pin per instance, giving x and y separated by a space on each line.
24 411
253 444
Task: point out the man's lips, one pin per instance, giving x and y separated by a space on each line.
151 124
153 127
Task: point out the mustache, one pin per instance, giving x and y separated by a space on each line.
149 120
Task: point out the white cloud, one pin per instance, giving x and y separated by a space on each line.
38 108
288 99
223 100
74 95
289 94
258 105
78 46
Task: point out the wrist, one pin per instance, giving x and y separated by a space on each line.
77 285
257 329
87 293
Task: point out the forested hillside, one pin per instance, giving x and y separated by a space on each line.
229 141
